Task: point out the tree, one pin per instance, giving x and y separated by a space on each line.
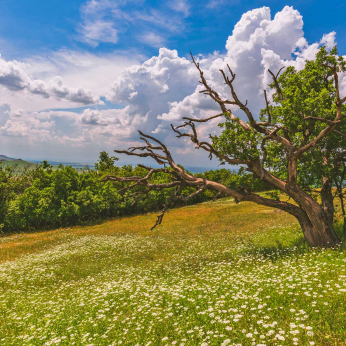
297 145
106 162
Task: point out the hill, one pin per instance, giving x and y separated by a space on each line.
217 273
19 163
6 158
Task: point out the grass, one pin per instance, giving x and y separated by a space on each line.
212 274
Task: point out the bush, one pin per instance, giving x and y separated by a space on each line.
47 198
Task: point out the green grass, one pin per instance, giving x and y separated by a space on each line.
213 274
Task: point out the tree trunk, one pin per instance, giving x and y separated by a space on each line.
327 199
319 230
338 183
316 226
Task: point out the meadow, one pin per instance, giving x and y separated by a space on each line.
215 273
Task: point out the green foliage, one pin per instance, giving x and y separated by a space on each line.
45 198
306 95
10 187
106 163
236 180
237 143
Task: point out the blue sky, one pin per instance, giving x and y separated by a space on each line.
70 88
39 25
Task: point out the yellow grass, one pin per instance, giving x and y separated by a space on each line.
221 218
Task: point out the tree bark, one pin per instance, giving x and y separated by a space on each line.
322 232
327 199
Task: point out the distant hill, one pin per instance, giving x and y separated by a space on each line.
6 158
19 164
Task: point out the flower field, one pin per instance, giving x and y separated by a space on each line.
213 274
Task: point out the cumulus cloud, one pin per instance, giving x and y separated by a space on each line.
150 88
68 127
258 42
116 119
329 40
14 77
91 71
20 124
165 88
156 89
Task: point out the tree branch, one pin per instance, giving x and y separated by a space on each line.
275 79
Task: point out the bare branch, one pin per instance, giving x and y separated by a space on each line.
275 79
205 145
215 96
242 106
267 104
204 120
177 197
325 132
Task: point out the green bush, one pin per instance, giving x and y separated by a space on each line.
47 198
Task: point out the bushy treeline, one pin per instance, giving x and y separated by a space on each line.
47 198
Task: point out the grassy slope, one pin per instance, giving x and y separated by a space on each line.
20 164
215 273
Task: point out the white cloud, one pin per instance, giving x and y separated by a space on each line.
67 126
56 88
329 40
99 31
97 21
180 6
20 124
116 120
105 21
148 89
152 39
91 71
256 43
13 76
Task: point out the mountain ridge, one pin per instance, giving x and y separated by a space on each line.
6 158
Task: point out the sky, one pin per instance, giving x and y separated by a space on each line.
79 77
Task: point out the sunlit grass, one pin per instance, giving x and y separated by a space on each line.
212 274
